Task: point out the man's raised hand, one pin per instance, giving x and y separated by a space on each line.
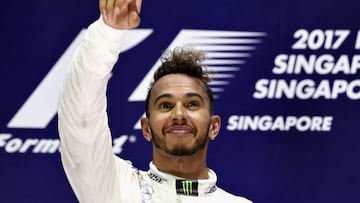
121 14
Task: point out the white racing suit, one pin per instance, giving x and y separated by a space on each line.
95 173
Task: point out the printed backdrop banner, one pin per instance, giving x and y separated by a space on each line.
286 81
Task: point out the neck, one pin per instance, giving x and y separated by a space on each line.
189 167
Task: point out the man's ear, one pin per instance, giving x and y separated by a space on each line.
145 127
214 128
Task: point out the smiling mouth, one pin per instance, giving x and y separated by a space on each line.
179 130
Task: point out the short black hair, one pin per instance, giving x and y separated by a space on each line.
186 61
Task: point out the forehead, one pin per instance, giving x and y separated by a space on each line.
178 85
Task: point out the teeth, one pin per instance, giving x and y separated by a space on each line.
179 131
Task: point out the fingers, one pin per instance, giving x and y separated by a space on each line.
138 5
109 7
102 6
128 12
135 6
123 14
134 10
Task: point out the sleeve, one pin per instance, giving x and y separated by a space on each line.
91 167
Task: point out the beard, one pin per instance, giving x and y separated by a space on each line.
180 149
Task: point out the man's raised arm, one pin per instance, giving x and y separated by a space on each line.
86 143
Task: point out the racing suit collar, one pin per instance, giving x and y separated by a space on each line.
182 186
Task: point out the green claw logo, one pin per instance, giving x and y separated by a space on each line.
187 187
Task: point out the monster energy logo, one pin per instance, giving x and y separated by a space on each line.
187 187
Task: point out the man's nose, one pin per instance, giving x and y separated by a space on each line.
179 113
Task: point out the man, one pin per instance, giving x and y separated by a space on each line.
179 122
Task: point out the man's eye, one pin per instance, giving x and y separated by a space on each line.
193 104
165 105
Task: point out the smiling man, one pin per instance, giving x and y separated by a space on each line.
179 122
179 115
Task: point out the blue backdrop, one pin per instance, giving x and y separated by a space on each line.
287 87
